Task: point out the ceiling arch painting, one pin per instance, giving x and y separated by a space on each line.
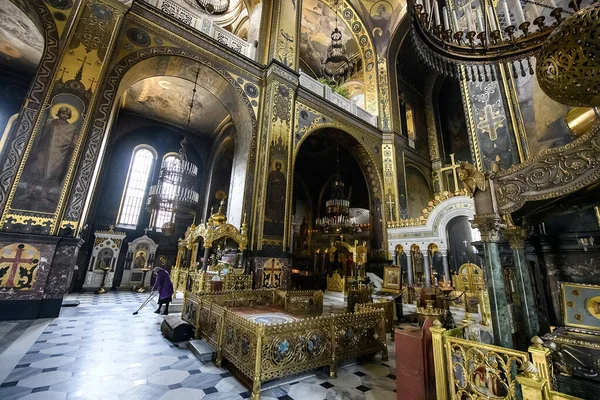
167 99
21 43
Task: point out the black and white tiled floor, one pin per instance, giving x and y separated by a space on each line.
99 350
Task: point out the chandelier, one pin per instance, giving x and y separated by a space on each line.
174 192
476 38
337 218
336 63
214 6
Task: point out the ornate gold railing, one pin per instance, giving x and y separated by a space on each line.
388 308
265 352
466 369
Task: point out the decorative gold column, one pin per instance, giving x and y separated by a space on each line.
439 360
390 181
273 205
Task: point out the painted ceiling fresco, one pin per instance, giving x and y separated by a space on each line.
167 99
382 16
21 43
318 21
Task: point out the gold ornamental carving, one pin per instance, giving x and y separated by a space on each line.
552 173
422 220
489 227
568 67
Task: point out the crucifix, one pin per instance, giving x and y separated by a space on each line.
466 242
453 166
391 204
146 231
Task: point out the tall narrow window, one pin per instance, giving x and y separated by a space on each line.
170 189
140 170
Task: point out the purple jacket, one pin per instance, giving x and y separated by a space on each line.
163 284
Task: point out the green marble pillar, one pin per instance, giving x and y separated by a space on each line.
528 321
489 227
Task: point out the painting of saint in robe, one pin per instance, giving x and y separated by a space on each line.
140 259
276 186
49 159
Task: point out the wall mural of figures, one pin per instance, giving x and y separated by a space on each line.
453 133
50 157
419 193
543 118
45 170
275 201
493 134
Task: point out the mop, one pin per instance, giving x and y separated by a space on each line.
152 295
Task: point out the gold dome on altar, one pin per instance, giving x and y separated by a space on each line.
568 64
218 218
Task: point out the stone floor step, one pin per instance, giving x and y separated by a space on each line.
202 350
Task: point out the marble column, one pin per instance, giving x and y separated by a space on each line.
489 227
409 270
447 276
529 321
206 257
426 268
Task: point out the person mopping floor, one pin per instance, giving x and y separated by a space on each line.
164 287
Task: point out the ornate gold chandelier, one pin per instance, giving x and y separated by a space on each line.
214 6
478 38
336 63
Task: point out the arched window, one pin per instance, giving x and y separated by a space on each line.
140 170
170 188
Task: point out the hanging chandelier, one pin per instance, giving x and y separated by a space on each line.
213 6
337 218
174 192
336 63
470 41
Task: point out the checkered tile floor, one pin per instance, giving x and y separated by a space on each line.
99 350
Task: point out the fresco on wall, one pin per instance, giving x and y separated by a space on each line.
167 99
418 192
453 124
21 43
318 21
543 118
50 154
383 16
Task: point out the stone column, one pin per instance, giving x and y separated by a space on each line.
529 320
395 258
409 270
489 227
426 268
447 276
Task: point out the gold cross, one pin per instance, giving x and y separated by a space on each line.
490 121
453 166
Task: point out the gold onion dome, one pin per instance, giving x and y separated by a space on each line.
218 218
568 64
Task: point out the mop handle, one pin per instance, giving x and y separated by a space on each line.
152 295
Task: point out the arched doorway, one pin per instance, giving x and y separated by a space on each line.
151 112
335 198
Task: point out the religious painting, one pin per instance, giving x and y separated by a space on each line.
21 43
385 16
392 278
275 200
453 133
140 259
19 264
376 224
272 273
487 382
44 174
581 305
418 192
410 126
104 259
493 131
318 22
543 118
